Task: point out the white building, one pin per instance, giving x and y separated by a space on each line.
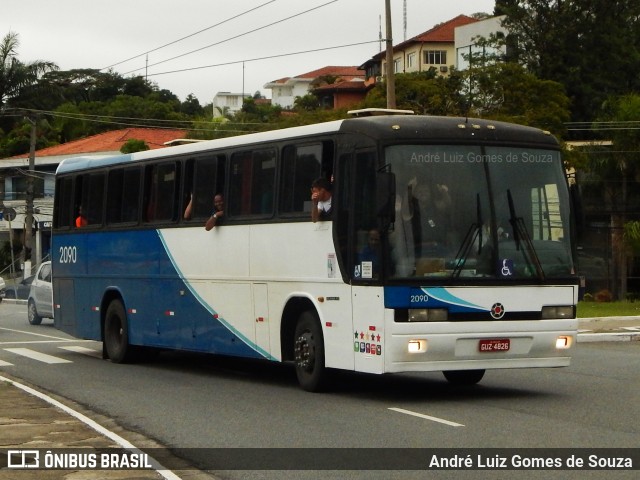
466 40
227 102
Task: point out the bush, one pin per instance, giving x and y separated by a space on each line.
603 296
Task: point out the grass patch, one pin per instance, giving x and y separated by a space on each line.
608 309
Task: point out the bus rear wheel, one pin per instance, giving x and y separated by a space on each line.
116 333
309 353
464 377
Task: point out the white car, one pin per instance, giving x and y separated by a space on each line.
40 302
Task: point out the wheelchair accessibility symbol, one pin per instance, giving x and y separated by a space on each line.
507 268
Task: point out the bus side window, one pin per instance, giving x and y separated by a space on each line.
204 177
63 203
123 187
161 192
251 183
302 164
89 193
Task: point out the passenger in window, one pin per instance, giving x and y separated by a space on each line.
321 199
188 212
371 252
217 214
81 220
430 211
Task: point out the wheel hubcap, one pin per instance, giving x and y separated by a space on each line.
304 351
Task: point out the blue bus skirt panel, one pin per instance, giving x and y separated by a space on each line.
162 309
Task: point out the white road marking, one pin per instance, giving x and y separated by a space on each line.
5 364
84 350
41 357
38 334
167 474
426 417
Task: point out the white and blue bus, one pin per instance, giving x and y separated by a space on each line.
448 248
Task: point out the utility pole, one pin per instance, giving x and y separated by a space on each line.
391 79
28 230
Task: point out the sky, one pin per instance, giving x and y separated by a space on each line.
202 47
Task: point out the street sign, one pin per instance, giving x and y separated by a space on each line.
9 214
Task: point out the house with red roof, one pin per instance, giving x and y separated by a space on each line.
434 48
285 90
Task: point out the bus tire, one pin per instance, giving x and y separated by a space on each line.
116 333
463 377
32 314
308 350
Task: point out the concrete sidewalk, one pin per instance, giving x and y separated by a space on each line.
30 421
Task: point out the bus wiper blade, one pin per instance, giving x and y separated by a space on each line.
521 235
474 232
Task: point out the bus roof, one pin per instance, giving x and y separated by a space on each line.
390 128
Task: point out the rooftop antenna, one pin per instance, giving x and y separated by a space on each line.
404 19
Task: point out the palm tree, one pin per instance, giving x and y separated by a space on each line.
18 78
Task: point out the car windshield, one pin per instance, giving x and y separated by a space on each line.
492 212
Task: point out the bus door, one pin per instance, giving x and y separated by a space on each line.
368 324
261 315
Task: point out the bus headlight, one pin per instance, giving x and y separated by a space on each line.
567 311
428 315
563 342
417 346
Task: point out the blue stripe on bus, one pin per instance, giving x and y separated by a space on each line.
136 264
427 297
210 308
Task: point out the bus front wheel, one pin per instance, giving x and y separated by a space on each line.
309 353
116 333
464 377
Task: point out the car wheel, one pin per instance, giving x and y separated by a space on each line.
116 333
32 314
309 353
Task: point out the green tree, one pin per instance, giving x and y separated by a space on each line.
589 46
191 106
615 174
308 102
18 79
134 145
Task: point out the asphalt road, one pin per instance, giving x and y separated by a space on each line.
195 403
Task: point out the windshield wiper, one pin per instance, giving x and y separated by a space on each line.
520 234
474 232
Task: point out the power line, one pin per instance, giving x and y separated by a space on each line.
191 35
234 37
116 119
263 58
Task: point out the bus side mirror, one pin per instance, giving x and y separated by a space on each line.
385 199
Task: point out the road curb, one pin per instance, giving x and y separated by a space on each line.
609 337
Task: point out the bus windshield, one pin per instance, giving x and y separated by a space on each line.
478 212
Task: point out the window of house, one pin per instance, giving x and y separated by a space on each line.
435 57
16 188
397 65
411 60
